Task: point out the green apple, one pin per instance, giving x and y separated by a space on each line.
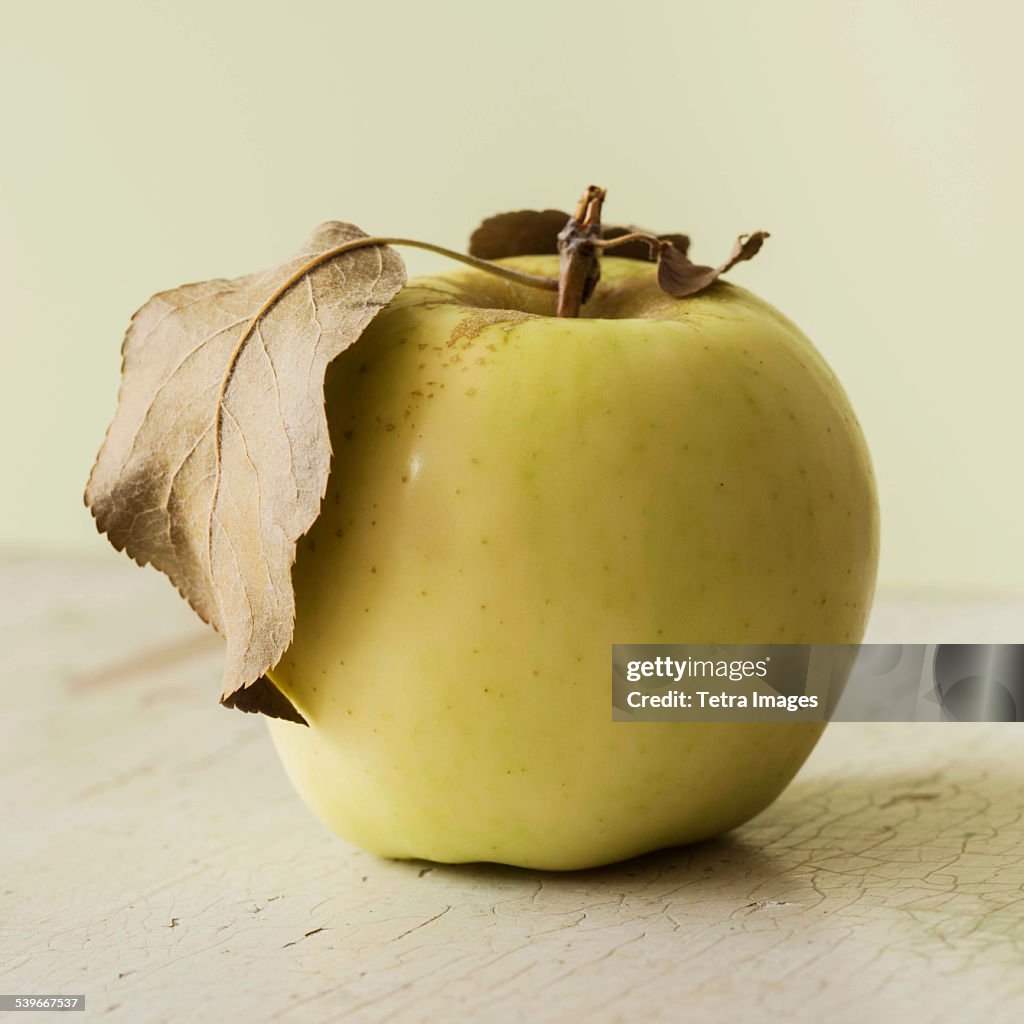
511 493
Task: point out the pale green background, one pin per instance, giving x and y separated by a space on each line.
148 144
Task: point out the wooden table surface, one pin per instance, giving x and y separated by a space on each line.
155 858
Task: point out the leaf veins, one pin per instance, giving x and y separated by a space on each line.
217 458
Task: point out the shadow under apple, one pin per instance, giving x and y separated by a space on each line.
895 857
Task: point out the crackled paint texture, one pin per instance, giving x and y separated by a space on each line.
155 858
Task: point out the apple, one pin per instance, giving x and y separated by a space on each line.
511 493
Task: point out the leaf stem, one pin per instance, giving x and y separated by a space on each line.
531 280
519 276
656 244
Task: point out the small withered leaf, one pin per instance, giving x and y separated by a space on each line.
535 233
217 458
519 233
680 277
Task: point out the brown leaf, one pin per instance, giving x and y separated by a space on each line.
535 233
520 233
217 459
678 276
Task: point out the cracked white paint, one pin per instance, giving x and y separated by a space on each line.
155 858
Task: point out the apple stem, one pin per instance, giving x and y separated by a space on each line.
579 251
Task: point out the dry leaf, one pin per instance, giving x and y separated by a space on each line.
519 233
680 277
535 233
217 459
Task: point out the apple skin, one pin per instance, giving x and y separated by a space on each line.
511 494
